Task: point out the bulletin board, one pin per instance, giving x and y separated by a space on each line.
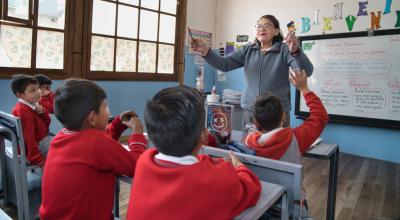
356 75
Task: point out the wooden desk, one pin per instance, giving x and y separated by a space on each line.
321 151
270 193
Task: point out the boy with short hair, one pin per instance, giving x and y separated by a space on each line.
84 157
47 99
274 141
172 181
35 119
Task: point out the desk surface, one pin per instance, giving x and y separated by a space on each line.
270 193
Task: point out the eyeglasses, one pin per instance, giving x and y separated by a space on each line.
263 26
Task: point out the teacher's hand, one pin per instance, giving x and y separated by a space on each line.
199 46
292 42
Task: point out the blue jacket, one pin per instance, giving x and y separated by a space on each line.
262 73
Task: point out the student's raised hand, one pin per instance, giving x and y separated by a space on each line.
126 115
198 45
135 124
39 109
234 159
298 78
292 42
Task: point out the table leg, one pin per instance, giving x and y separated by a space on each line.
116 199
284 207
333 174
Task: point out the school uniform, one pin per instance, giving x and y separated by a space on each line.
189 187
289 144
47 101
35 128
80 173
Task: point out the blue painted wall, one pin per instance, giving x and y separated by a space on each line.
379 143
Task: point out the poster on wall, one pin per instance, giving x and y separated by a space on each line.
206 37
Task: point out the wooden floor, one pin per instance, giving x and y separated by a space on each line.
367 189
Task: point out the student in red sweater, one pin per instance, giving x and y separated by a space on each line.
47 98
85 157
172 181
274 141
35 119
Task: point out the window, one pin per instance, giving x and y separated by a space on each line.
134 40
33 37
93 39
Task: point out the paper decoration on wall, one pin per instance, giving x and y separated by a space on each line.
242 38
362 9
222 51
200 79
398 19
337 12
327 24
350 19
375 20
290 26
221 76
305 24
316 17
230 47
387 6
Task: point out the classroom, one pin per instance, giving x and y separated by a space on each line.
135 49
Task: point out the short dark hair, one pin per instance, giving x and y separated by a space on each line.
42 79
20 82
275 22
268 111
75 99
175 119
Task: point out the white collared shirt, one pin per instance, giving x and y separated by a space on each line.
27 103
184 160
268 135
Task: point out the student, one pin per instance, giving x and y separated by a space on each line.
35 119
172 181
47 99
286 144
84 157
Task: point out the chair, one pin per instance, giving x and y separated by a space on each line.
273 171
18 176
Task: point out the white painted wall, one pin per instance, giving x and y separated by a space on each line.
201 15
239 16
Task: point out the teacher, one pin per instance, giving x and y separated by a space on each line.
266 64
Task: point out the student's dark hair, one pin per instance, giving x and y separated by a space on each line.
42 79
268 111
175 119
275 22
75 99
20 82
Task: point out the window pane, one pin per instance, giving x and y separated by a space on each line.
147 57
103 21
168 6
50 50
126 56
167 29
165 58
102 54
152 4
15 46
131 2
148 25
127 21
18 9
52 13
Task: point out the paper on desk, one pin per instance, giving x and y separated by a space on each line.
316 142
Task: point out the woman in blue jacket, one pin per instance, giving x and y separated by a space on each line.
266 63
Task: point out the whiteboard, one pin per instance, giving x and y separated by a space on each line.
356 75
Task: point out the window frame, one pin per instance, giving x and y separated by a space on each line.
137 76
6 72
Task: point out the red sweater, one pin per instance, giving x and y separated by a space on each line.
305 134
209 189
47 102
80 173
35 127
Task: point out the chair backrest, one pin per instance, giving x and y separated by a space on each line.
268 170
